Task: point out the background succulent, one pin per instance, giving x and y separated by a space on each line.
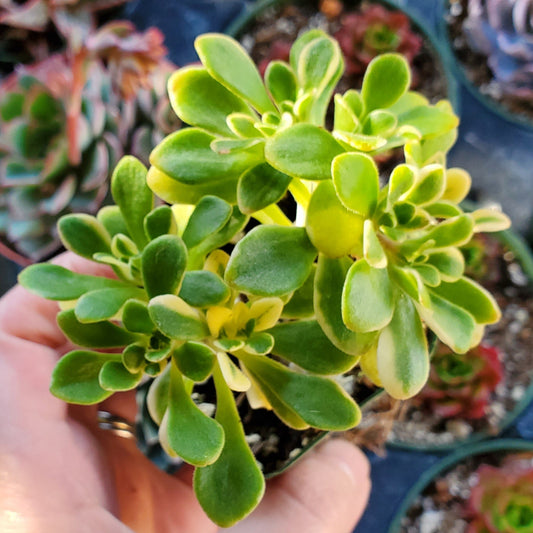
502 499
460 386
503 31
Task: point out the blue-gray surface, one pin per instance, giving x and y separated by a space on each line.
498 154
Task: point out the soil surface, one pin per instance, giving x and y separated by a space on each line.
475 66
513 336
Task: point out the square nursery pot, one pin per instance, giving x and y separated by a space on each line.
514 392
484 67
437 502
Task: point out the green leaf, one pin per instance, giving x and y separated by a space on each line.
242 125
136 318
57 283
122 247
195 360
356 181
372 249
114 377
230 488
319 401
271 261
300 304
452 325
345 118
132 195
83 235
281 82
429 120
449 262
334 230
387 78
488 220
303 151
158 396
159 222
259 343
104 304
401 180
304 343
429 186
380 122
402 353
227 62
360 141
367 298
187 157
201 288
112 220
299 45
75 377
429 274
209 216
98 335
318 63
329 282
260 187
176 319
163 265
472 297
192 435
133 357
200 100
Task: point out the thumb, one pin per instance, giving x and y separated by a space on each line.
326 492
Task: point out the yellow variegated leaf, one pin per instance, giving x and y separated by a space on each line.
458 182
490 219
233 376
182 213
369 365
216 317
254 394
216 262
266 313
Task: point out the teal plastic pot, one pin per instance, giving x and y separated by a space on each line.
240 25
517 245
500 445
458 70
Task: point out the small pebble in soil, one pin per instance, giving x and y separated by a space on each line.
431 521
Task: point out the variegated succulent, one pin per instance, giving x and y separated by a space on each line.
44 172
360 274
503 31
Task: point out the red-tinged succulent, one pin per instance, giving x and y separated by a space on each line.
279 50
130 56
372 31
460 385
502 499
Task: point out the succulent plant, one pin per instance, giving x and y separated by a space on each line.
503 31
39 182
271 308
460 386
502 499
375 30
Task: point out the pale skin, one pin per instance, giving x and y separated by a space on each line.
60 473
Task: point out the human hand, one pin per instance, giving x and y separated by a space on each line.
61 473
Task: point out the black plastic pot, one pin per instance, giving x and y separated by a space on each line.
501 445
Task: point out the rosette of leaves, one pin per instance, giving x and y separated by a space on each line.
251 141
177 320
502 30
460 386
373 31
45 172
502 499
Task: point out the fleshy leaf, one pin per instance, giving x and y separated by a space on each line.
192 435
132 195
133 357
259 343
115 377
260 187
429 186
163 265
450 263
233 375
159 222
98 335
378 90
103 304
334 230
311 397
200 100
75 377
367 298
55 282
372 249
84 235
301 303
458 182
232 486
112 220
227 61
304 343
271 261
195 360
303 151
429 120
401 180
488 220
281 82
356 181
201 288
158 396
176 319
402 352
136 318
329 283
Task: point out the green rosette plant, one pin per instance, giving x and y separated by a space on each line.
271 307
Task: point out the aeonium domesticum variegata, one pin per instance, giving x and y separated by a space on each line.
277 308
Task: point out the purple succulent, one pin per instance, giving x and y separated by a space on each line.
503 31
